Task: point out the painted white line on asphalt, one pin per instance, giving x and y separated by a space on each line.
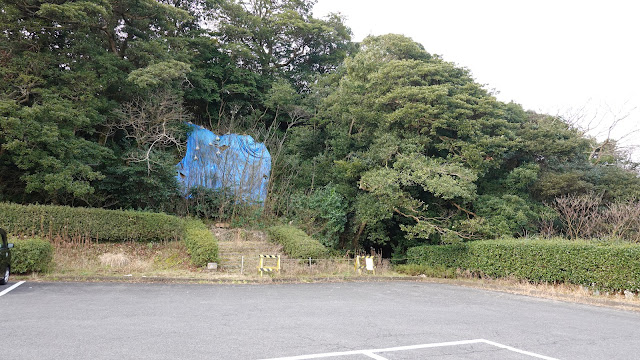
518 350
367 352
11 288
319 356
373 356
426 346
372 352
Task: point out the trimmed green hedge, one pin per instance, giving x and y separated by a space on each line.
109 225
296 243
31 255
614 267
105 225
200 242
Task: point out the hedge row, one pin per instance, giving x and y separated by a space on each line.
200 242
31 255
107 225
296 243
100 224
612 267
36 254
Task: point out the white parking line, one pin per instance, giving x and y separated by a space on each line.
372 353
374 356
518 350
11 288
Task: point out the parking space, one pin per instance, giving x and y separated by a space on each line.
343 321
9 287
477 349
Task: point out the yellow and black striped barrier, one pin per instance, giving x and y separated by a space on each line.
365 263
263 269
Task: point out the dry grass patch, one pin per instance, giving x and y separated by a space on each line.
338 267
561 291
113 259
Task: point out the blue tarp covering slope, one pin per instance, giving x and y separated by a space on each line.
235 162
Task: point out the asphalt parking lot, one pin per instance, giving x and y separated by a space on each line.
344 321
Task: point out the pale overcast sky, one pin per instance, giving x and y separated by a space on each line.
551 56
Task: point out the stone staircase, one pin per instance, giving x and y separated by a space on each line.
239 249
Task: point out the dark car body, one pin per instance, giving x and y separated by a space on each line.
5 257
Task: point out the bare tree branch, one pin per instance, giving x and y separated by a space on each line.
153 124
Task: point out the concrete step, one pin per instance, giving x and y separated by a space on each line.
238 235
245 243
234 244
246 247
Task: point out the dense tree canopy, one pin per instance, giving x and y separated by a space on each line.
374 144
424 154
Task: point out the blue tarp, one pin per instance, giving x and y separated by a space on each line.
235 162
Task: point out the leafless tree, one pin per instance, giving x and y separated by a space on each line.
613 129
579 214
154 124
621 220
546 226
585 216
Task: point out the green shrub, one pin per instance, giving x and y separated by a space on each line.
108 225
223 205
200 242
613 267
31 255
296 243
97 224
205 203
507 215
322 213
